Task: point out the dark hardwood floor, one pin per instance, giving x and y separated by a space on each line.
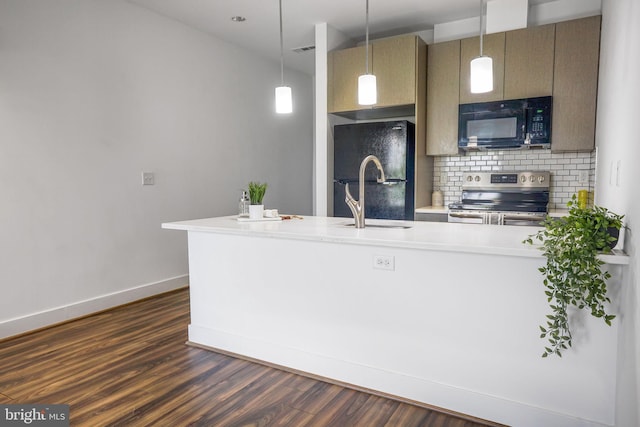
130 366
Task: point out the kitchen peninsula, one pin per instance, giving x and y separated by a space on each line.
439 313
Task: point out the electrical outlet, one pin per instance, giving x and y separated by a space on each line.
147 178
384 262
444 178
583 177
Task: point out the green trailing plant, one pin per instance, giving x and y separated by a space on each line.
573 274
256 192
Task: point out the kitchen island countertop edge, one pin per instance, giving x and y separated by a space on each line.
435 236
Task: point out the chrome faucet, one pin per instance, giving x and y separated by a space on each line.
357 207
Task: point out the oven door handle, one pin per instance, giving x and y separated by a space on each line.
528 217
466 214
476 217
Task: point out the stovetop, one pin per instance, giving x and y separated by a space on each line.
526 191
533 180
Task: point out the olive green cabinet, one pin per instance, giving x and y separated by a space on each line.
394 64
398 64
493 46
528 66
575 84
344 67
443 93
522 64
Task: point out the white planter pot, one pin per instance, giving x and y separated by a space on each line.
256 211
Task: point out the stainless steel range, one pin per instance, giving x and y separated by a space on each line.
503 198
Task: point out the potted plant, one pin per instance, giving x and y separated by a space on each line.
256 194
573 275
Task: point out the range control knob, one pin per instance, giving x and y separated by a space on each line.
532 178
469 178
541 179
477 178
523 178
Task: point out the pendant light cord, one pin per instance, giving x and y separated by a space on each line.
481 20
281 47
366 43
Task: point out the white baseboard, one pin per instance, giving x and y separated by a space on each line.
392 383
33 321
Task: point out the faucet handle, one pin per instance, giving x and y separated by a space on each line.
351 201
348 198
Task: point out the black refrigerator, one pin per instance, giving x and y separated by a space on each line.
394 144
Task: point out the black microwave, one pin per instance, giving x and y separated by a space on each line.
515 123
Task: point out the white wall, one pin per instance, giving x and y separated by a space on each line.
540 14
617 141
92 93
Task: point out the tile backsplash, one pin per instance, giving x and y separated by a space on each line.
565 169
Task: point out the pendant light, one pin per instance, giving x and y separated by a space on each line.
481 66
367 92
284 104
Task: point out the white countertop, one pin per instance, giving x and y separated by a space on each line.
448 237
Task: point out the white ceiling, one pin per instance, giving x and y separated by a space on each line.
260 31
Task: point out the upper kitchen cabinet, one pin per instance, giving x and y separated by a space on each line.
528 66
493 46
575 84
344 67
394 64
398 64
443 93
522 64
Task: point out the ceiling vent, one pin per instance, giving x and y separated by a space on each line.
303 49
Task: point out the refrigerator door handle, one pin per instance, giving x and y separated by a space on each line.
394 182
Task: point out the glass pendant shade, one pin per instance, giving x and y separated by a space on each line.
284 103
367 92
481 74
